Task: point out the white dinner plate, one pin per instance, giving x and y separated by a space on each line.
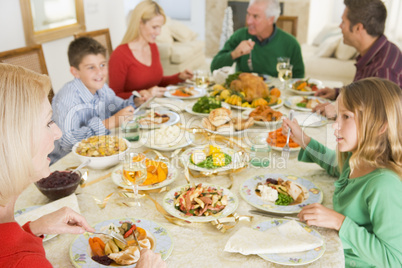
299 92
236 161
80 252
291 102
227 132
174 118
276 106
247 191
189 109
168 204
270 125
296 258
118 180
310 119
171 89
148 139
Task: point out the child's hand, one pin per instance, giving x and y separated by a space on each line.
296 134
118 118
318 215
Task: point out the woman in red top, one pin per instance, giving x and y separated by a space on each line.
27 135
135 64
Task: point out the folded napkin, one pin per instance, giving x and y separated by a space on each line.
68 201
173 104
286 238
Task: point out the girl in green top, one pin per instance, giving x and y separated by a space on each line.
367 203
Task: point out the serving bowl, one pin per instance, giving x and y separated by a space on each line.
59 184
101 162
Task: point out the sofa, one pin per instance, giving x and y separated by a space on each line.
179 48
328 58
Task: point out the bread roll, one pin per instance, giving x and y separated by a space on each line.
225 128
240 124
219 116
207 124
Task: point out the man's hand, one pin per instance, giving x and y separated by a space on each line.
326 92
244 48
62 221
326 109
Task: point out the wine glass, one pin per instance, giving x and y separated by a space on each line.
284 73
201 78
281 60
134 172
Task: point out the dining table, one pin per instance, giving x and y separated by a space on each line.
196 244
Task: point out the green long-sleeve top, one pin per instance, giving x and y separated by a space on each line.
371 233
264 55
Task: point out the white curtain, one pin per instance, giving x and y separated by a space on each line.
393 26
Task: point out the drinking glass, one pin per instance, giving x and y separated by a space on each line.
134 172
284 73
201 78
281 60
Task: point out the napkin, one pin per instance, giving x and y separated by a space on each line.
68 201
286 238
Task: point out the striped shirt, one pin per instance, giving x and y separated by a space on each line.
383 59
79 114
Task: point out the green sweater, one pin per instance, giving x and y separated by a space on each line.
371 233
264 57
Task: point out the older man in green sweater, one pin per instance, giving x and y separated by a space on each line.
263 40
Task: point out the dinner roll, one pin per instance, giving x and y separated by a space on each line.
207 124
219 116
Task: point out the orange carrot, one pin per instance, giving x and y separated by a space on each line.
95 247
97 239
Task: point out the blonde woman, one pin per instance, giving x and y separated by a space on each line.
367 204
27 134
135 64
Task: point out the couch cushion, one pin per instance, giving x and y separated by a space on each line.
183 51
165 36
328 31
328 47
345 52
180 32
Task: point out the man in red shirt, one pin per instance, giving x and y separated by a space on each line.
363 23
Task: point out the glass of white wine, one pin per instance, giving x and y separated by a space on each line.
284 73
201 78
281 60
134 172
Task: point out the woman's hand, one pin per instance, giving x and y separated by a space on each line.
296 134
150 259
186 74
318 215
62 221
154 91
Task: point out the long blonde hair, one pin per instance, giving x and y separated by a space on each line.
143 12
377 106
22 93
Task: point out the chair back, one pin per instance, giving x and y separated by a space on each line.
288 24
102 36
28 57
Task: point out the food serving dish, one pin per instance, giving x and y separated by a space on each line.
174 118
279 104
171 89
149 140
296 258
169 200
248 193
101 162
269 124
189 109
80 252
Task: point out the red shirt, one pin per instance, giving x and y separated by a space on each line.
19 247
127 74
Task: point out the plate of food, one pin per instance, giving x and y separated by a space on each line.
209 158
220 121
201 203
152 119
159 174
167 138
277 141
250 106
94 250
304 86
204 106
184 92
296 258
310 119
303 103
264 116
280 193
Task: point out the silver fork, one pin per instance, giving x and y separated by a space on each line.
249 61
114 235
286 149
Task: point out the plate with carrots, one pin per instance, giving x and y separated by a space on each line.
159 174
304 86
277 141
184 92
157 238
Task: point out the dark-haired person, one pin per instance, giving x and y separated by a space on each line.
86 106
363 23
263 40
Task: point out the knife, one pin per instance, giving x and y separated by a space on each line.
272 215
136 240
144 105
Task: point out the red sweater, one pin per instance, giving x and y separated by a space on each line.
19 247
127 74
